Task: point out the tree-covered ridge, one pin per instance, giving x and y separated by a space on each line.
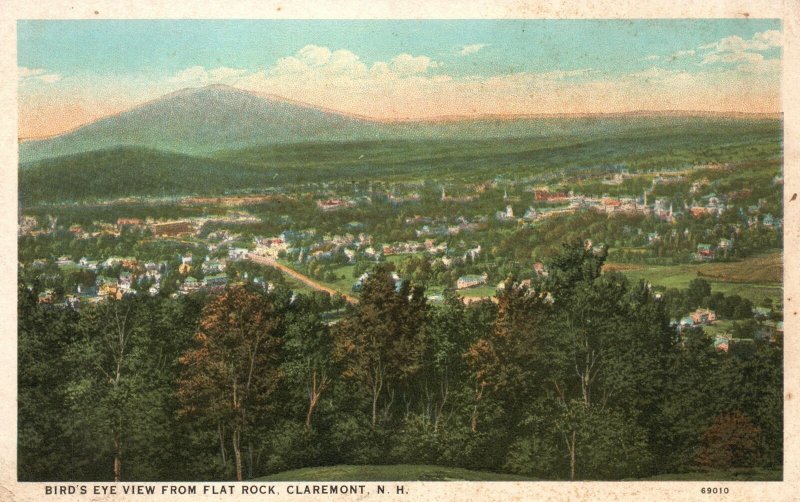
548 148
573 375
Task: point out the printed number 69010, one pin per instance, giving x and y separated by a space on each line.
714 491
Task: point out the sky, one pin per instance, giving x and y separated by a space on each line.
74 72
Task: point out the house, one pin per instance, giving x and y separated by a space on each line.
125 280
216 281
73 302
547 196
190 285
470 281
64 261
473 253
131 222
237 254
332 204
761 312
112 261
89 264
172 228
686 322
110 289
359 284
722 343
610 204
705 252
530 214
47 296
703 316
725 244
213 266
506 215
770 221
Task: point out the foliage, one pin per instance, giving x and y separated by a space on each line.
730 441
577 375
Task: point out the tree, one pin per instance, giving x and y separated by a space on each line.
377 341
697 291
731 440
443 368
601 443
110 362
309 354
511 361
234 369
47 446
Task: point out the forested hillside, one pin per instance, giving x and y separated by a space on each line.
576 375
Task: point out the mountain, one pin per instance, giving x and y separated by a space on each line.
201 120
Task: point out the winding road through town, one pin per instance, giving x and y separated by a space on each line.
264 260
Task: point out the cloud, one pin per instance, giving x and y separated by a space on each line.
471 49
223 73
320 60
762 41
29 74
198 75
406 85
49 78
682 54
406 64
733 57
735 49
314 62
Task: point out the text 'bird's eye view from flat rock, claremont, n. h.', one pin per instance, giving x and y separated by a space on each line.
517 250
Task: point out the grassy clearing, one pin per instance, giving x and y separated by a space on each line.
481 291
297 286
753 278
405 472
720 327
729 475
402 472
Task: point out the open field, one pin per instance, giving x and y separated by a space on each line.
405 472
402 472
728 475
752 278
478 291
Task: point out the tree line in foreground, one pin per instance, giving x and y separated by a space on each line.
577 375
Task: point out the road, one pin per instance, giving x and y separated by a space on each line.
263 260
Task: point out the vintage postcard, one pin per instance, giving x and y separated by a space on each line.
348 255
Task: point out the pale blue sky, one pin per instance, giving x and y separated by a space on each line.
165 47
401 68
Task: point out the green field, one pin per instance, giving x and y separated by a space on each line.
720 327
729 475
405 472
753 278
478 291
402 472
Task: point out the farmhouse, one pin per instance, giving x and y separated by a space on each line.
469 281
172 228
703 316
